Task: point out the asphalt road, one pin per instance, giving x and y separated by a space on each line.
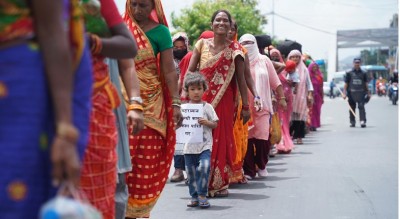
339 173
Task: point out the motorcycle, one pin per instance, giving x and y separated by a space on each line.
381 89
394 93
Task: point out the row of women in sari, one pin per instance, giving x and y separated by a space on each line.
68 117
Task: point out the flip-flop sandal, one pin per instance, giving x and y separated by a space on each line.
193 203
203 203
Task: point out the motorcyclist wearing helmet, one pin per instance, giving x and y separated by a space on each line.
393 79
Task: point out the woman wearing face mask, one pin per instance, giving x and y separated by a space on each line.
265 78
221 61
180 42
152 149
181 47
302 98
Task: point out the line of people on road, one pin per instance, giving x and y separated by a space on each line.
67 119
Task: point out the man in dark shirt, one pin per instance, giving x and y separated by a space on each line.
356 88
393 79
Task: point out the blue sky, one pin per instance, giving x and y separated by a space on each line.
325 15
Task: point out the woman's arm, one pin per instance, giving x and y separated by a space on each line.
171 78
194 61
239 75
131 82
121 45
281 97
250 83
248 78
279 67
57 55
310 89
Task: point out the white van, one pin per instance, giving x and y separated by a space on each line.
338 77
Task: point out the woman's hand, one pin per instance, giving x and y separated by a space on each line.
258 103
178 118
310 101
64 156
245 116
283 104
135 121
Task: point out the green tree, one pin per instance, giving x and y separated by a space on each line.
374 57
196 19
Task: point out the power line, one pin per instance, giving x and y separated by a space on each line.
303 25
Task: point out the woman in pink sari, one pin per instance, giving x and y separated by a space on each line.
285 146
317 80
221 61
266 79
302 99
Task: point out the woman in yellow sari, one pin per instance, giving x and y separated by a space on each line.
153 148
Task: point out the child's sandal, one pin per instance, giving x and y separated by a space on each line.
193 203
203 203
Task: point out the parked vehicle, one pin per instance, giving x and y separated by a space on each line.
327 90
338 78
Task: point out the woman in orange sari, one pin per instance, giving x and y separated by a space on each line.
240 130
221 61
152 149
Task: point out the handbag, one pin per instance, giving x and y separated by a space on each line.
275 129
69 204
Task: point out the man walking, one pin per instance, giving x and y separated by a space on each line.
332 86
356 88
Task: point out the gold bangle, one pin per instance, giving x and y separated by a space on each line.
135 107
282 98
176 101
67 132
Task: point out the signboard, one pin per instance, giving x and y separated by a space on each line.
190 131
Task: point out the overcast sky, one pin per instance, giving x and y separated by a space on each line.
324 15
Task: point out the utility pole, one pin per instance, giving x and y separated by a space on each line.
273 19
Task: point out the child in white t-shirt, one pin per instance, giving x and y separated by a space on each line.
198 155
292 74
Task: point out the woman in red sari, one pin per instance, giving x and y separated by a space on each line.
99 172
221 61
152 149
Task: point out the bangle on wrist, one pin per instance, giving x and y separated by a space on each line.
282 98
67 132
138 100
176 100
245 107
135 106
177 105
97 45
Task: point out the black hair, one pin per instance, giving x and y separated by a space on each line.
234 24
224 11
194 78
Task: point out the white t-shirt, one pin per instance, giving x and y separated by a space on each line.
295 77
197 148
